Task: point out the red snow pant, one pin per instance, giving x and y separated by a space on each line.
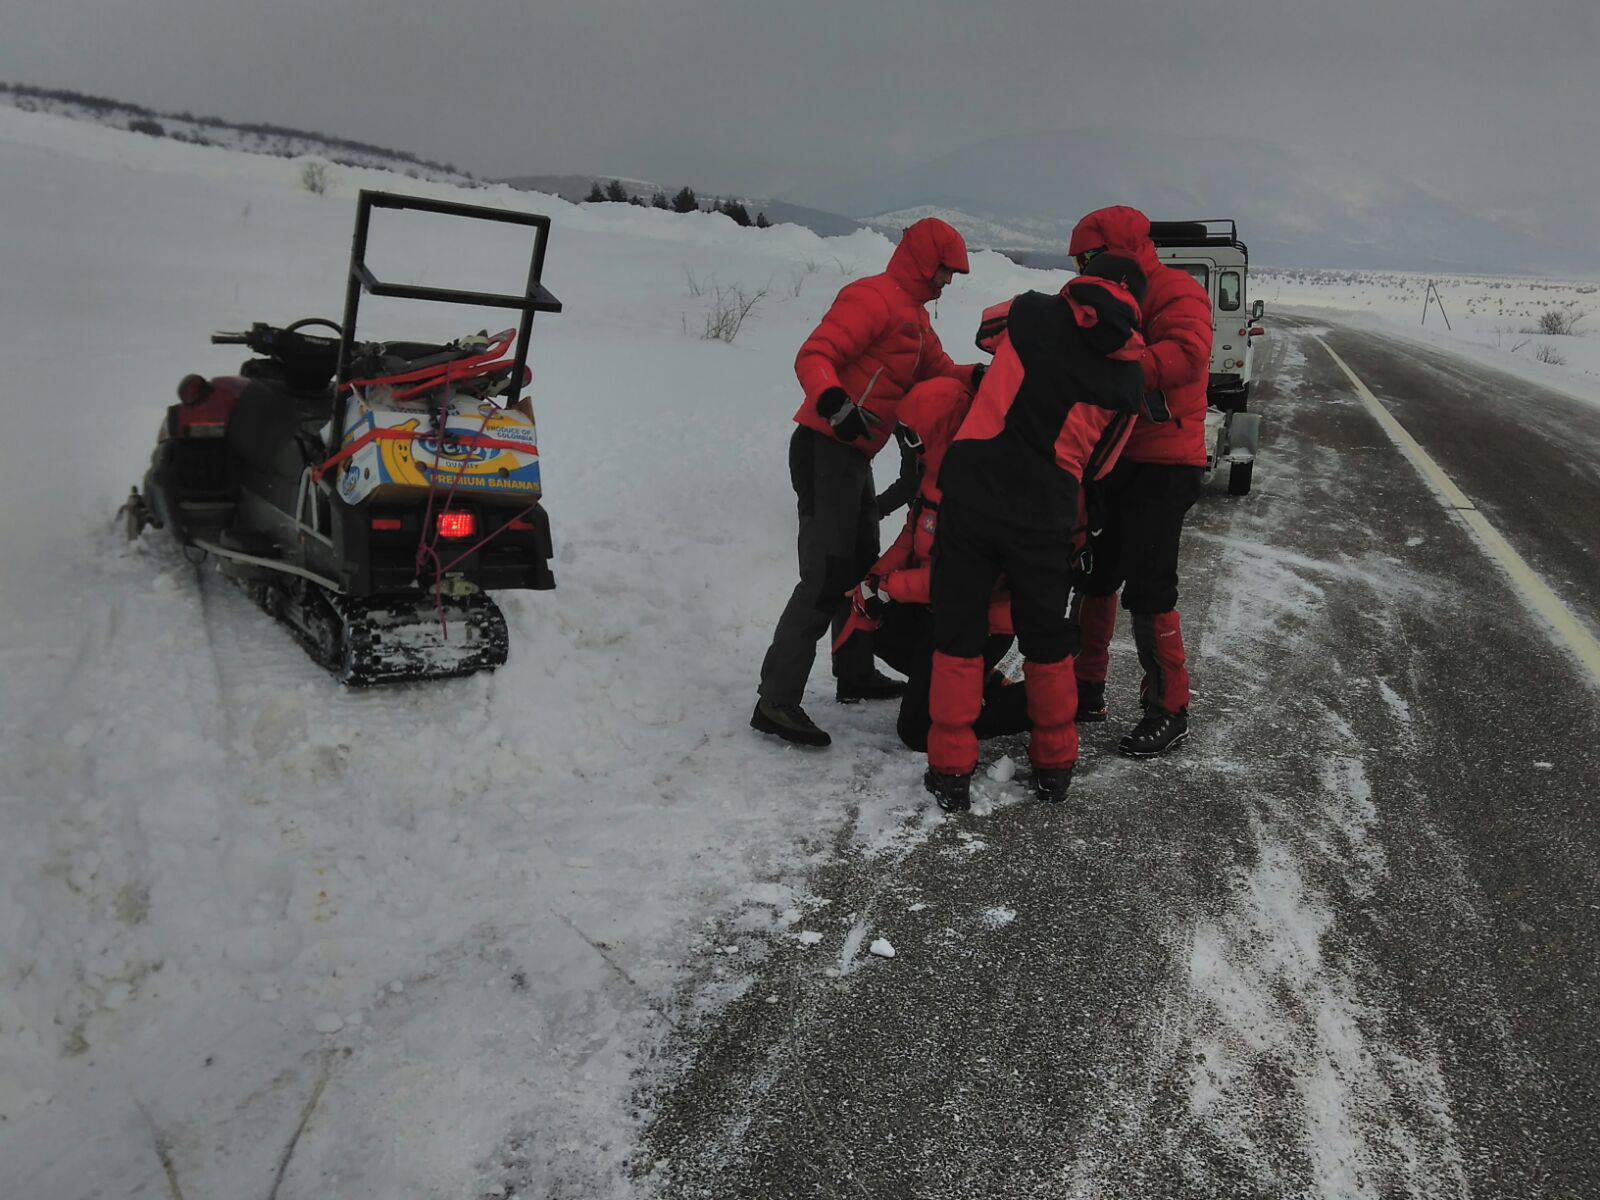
972 550
1136 515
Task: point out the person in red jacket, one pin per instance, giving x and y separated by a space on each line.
1053 409
1137 511
893 601
874 343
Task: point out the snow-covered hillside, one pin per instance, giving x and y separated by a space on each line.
229 135
449 919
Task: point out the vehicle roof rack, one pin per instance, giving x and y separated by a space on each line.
1207 231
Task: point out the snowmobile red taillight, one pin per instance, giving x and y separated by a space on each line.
520 525
457 524
386 524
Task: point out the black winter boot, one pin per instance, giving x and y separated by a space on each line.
1051 783
1157 732
876 686
1091 702
788 721
952 793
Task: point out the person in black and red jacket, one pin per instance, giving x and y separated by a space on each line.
1137 511
892 603
1054 408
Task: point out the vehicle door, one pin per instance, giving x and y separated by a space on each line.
1230 320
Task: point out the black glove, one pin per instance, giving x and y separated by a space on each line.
1155 407
978 371
867 600
848 420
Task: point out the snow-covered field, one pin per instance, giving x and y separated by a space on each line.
451 920
1495 319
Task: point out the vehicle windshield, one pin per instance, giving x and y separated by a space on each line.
1199 272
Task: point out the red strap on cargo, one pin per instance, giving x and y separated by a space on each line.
409 435
427 378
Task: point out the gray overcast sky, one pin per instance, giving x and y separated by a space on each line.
1496 96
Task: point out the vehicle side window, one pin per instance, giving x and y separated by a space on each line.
1198 272
1229 295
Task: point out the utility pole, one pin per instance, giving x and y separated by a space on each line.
1432 296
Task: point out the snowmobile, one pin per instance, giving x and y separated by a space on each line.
367 495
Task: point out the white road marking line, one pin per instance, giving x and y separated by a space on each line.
1536 593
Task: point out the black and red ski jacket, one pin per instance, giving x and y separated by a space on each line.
1059 400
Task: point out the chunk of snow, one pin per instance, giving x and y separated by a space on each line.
809 937
999 916
1544 766
328 1022
1003 770
882 948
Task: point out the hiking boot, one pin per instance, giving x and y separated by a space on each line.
788 721
952 793
1157 732
1051 783
876 686
1091 702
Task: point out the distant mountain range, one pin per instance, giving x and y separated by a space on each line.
779 212
1021 194
1294 207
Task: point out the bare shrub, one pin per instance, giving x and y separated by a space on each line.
1546 355
315 177
1560 322
729 308
799 274
697 287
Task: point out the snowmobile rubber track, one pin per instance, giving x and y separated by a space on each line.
377 640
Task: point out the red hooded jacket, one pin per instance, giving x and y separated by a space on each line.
1177 333
876 341
933 410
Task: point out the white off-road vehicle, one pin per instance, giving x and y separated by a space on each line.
1210 251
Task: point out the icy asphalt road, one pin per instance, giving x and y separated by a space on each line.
1344 944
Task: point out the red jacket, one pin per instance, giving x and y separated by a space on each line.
876 341
933 410
1177 333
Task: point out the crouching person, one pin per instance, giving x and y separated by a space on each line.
1055 406
892 602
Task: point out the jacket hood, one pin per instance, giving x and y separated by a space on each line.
924 248
934 410
1119 229
1107 313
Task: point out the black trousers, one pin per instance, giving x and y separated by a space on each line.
837 546
904 641
973 549
1139 509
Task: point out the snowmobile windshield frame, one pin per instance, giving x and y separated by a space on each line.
536 298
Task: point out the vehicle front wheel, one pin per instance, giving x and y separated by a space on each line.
1239 478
